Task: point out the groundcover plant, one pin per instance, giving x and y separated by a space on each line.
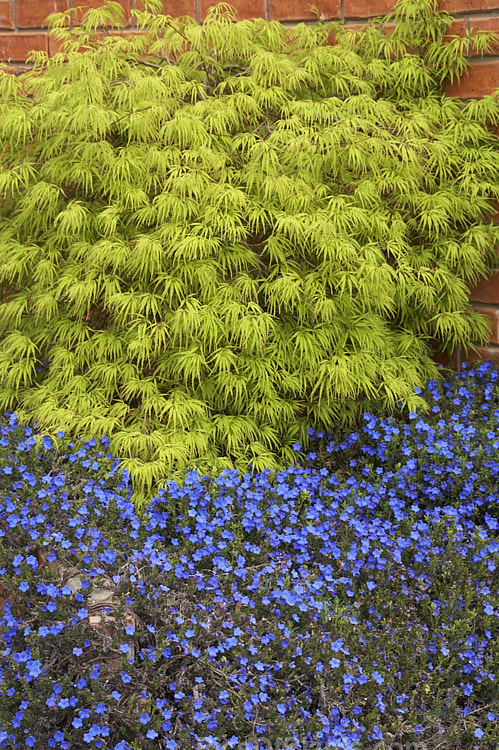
350 600
214 236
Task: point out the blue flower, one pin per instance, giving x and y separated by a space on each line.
34 668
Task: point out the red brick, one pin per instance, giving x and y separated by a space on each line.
467 6
449 361
31 14
298 10
487 291
55 46
457 28
128 32
16 47
367 8
483 353
6 16
481 79
177 8
494 214
86 4
489 23
442 359
493 316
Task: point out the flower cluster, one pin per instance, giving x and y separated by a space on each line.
349 600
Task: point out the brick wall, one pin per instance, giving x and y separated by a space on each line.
22 29
22 25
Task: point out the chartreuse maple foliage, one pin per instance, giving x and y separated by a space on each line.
215 236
